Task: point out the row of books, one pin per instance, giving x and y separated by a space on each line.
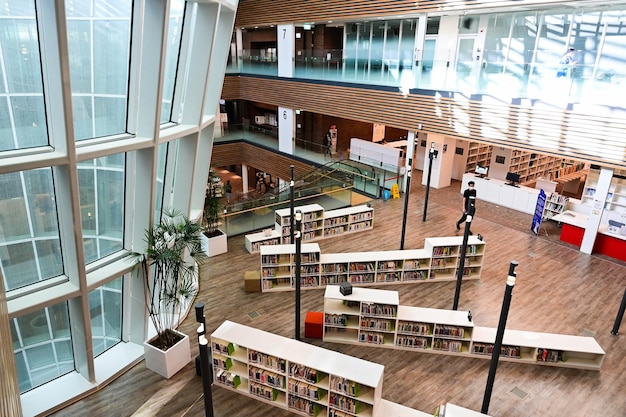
373 338
359 226
442 251
336 319
334 267
412 342
345 386
305 373
267 361
263 391
304 406
256 246
227 378
487 349
414 328
388 277
447 345
449 331
376 324
335 221
551 355
375 309
306 390
266 377
343 403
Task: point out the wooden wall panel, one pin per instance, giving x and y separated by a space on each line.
276 164
569 133
265 12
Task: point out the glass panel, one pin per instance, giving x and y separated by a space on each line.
42 346
160 178
22 111
177 9
99 46
30 248
101 187
105 307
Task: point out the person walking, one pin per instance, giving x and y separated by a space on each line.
228 189
328 142
566 64
469 199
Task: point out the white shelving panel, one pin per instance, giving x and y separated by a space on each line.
348 220
449 332
278 266
293 375
438 261
312 222
550 349
555 204
254 241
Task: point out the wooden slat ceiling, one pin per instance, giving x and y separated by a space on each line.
544 129
265 12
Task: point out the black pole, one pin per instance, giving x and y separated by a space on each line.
432 154
506 303
201 331
406 201
298 272
206 375
459 272
620 315
291 202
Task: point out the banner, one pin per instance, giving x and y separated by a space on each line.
541 202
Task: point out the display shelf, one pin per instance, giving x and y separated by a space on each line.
555 204
254 241
580 352
312 222
296 376
348 220
438 261
278 266
349 318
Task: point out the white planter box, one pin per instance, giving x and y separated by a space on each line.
215 245
167 363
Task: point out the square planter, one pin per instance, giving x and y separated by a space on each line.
167 363
215 245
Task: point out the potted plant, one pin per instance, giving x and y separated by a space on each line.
169 268
215 241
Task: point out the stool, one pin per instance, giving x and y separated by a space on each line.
314 324
252 281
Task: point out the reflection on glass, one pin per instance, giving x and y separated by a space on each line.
101 187
42 346
22 113
99 47
30 249
105 307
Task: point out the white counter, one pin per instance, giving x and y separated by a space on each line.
572 217
495 191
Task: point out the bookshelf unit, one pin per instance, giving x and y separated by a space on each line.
616 198
292 375
316 224
312 222
278 264
437 262
441 331
568 351
555 204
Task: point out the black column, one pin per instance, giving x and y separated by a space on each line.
291 202
495 355
206 375
406 201
298 274
620 315
432 154
459 272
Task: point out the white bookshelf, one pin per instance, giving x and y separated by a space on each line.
449 332
254 241
316 224
437 262
555 204
293 375
278 264
568 351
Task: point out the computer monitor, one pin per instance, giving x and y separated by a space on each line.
512 178
481 171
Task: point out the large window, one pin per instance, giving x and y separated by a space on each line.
99 47
101 183
177 9
22 113
42 346
30 249
105 310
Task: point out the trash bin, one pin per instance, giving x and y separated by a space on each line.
386 195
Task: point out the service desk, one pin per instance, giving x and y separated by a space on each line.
496 191
573 226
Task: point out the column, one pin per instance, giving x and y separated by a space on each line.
286 50
442 165
10 404
410 146
595 217
286 130
244 178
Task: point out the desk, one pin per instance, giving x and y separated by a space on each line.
496 191
573 229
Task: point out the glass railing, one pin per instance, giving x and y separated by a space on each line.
494 75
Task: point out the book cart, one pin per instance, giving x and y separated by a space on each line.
374 316
437 262
302 378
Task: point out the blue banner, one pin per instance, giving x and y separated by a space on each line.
541 202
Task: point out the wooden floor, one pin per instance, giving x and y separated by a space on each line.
558 290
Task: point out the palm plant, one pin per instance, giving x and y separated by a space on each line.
169 268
